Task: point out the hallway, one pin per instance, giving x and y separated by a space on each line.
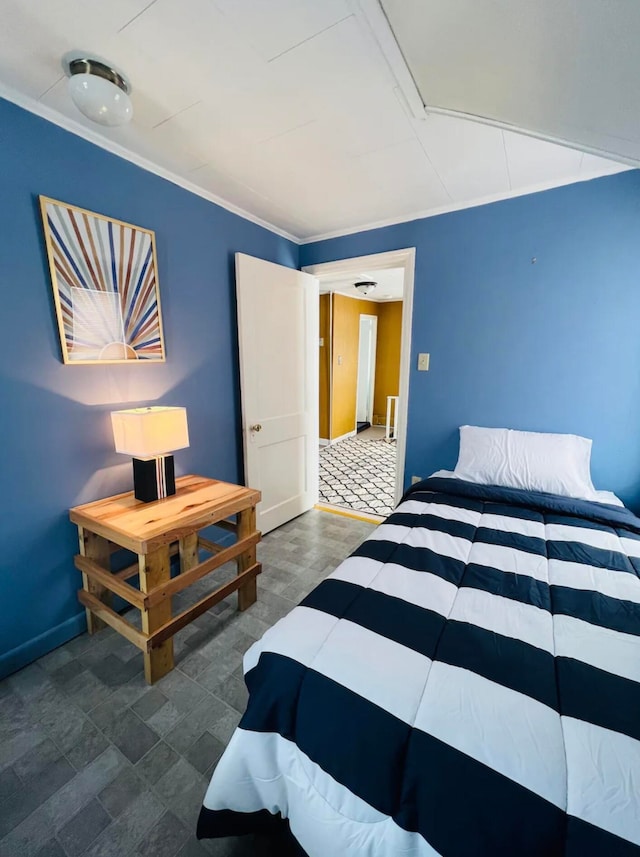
359 472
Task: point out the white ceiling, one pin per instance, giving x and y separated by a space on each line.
390 285
285 109
566 69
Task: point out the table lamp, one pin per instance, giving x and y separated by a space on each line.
150 435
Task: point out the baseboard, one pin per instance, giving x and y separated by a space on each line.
24 654
370 518
324 441
344 436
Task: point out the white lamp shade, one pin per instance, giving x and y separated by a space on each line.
100 100
150 432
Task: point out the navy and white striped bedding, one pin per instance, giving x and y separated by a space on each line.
467 683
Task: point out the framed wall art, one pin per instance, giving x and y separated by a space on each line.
104 275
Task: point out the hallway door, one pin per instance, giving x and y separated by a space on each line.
366 368
278 340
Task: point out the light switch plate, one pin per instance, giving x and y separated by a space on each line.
423 362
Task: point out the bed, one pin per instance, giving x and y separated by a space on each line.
466 683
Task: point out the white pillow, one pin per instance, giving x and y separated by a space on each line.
554 463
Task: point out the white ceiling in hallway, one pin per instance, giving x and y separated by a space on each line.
390 285
285 109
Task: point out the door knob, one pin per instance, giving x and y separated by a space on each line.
256 427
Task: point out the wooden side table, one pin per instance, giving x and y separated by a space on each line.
156 531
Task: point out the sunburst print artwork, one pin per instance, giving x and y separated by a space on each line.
105 286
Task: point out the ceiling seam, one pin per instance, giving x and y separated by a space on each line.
286 131
426 154
309 38
135 17
378 149
49 88
177 113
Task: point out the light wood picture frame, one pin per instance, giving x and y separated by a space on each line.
104 275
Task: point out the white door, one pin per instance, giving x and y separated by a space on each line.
366 368
278 338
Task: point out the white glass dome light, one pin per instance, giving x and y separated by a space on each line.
99 91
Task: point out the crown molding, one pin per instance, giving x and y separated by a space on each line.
32 105
448 209
36 107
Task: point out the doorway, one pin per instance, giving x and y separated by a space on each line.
364 368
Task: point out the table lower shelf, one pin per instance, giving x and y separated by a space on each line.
157 587
147 642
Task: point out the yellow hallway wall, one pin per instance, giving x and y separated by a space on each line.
346 332
325 365
387 381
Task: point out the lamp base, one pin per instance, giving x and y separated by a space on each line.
153 478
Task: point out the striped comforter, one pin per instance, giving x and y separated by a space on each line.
467 683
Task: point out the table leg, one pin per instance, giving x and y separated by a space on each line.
248 592
96 548
188 552
155 570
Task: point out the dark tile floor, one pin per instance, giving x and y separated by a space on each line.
94 762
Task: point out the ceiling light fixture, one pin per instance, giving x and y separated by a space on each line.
365 286
98 90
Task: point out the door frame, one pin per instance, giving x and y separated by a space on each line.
406 259
372 356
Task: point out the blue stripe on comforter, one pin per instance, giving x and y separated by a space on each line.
528 503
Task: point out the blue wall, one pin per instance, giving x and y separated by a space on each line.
550 346
56 446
